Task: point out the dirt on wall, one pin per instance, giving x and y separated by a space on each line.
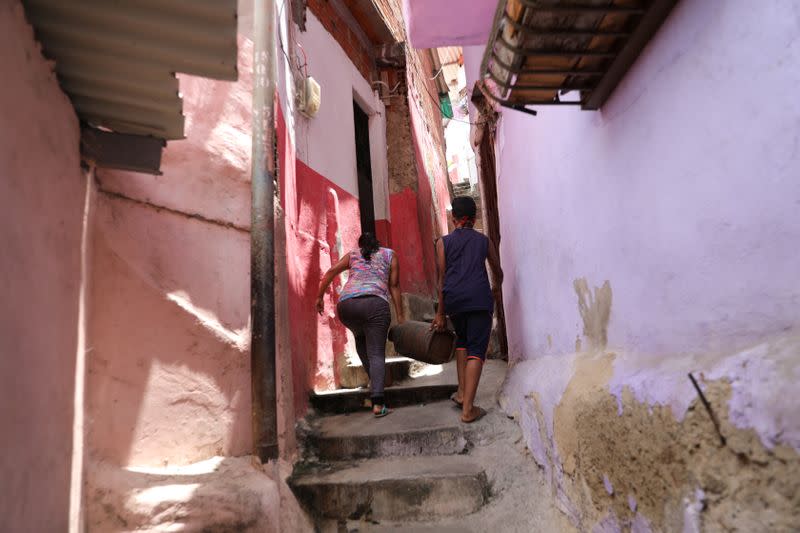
627 463
400 147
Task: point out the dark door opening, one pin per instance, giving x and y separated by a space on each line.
364 170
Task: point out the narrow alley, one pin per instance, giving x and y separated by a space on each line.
400 265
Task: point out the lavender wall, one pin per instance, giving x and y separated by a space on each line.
657 237
683 192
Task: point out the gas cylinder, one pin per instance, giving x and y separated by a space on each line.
415 340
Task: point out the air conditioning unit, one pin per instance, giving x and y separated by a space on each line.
309 97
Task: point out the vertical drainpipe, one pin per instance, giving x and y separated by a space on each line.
262 236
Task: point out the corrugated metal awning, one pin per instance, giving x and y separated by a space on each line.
541 50
117 59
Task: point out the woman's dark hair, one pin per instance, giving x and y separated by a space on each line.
464 206
369 244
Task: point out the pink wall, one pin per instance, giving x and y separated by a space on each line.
169 371
42 192
431 24
419 213
320 200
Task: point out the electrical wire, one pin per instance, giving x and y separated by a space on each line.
392 91
304 67
299 67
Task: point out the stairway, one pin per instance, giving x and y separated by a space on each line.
412 465
420 468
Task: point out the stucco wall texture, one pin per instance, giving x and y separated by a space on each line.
651 239
42 192
169 369
168 375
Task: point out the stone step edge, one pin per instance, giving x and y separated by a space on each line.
350 400
451 441
365 496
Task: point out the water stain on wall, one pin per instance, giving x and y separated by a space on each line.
595 310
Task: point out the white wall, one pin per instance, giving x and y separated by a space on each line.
327 142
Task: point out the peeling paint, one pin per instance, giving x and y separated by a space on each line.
595 311
674 473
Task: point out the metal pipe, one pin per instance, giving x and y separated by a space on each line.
262 236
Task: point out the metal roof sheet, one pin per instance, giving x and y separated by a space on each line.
117 59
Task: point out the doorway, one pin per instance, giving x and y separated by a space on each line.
366 202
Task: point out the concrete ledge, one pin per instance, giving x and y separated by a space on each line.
220 494
418 430
406 488
348 401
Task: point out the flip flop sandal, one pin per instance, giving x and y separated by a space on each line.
383 412
481 414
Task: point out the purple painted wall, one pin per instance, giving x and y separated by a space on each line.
682 192
683 195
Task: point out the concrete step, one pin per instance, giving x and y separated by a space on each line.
397 369
353 400
399 488
433 429
338 526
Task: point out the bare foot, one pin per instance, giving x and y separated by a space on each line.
457 399
476 414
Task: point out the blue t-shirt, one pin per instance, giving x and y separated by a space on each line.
466 282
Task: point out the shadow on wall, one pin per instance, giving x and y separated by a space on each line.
326 216
169 368
168 374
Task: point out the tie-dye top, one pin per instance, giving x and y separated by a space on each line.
368 278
